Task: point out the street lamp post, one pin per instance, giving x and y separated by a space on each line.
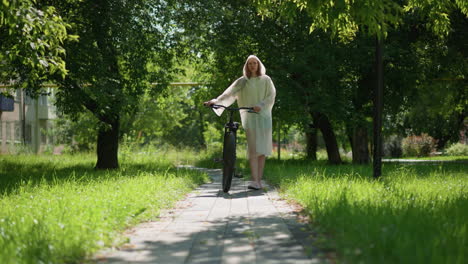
378 106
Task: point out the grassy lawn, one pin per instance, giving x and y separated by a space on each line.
444 158
58 209
413 214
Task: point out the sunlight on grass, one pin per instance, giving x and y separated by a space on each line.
414 214
58 209
444 158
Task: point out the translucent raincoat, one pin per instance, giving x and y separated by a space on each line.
250 92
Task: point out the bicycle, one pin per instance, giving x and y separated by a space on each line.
229 145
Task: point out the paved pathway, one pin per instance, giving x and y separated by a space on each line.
210 226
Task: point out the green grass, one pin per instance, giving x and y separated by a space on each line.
413 214
58 209
444 158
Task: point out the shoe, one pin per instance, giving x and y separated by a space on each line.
253 186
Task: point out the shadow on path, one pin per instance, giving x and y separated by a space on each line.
210 226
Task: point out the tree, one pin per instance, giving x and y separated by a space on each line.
123 47
31 46
442 96
346 18
373 18
171 118
314 84
232 30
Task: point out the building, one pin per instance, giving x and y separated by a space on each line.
27 127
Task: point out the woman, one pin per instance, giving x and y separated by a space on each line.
254 89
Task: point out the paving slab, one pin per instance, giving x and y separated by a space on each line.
209 226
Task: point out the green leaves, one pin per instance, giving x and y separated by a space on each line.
374 18
34 41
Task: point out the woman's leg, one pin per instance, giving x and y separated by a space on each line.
261 165
254 168
252 152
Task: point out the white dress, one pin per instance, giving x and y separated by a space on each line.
249 92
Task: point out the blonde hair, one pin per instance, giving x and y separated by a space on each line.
260 70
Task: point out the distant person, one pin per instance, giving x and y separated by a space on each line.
254 89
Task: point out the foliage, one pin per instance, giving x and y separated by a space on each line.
457 149
315 74
171 119
415 214
402 24
165 120
437 13
437 103
213 137
132 43
392 146
57 209
418 146
113 63
303 67
176 115
158 116
78 135
374 18
123 47
438 158
31 50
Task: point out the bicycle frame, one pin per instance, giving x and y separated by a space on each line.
229 146
231 125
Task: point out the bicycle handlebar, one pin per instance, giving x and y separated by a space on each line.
250 109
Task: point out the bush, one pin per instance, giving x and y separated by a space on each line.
457 149
392 146
420 146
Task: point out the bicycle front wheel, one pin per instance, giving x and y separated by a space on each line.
229 159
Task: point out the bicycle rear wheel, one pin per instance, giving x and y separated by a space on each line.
229 159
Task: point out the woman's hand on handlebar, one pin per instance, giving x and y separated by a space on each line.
208 103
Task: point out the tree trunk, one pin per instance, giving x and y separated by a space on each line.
349 135
360 148
108 146
311 147
321 122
